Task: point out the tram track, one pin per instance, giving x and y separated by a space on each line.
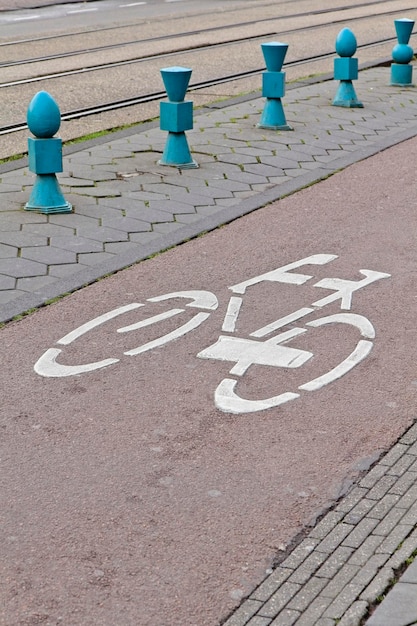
182 34
158 95
104 81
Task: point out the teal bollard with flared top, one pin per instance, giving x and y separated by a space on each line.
346 70
273 86
176 116
402 54
45 155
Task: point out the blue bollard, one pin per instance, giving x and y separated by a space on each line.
402 53
176 116
45 155
346 70
273 86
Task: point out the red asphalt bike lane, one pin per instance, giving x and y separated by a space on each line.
148 491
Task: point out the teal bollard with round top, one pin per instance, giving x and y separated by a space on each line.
45 155
346 70
402 54
273 86
176 116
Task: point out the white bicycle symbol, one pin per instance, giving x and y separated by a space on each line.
243 352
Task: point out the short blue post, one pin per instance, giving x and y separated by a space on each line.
273 86
45 155
402 53
176 116
346 70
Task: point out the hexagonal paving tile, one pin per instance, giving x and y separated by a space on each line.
21 268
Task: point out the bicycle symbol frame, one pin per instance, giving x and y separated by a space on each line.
243 352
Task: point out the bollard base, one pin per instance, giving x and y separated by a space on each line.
346 96
401 75
46 196
177 153
273 116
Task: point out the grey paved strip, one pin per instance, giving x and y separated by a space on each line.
350 557
126 207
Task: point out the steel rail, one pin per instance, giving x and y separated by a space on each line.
113 64
158 95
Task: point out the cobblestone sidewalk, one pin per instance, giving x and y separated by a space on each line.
350 558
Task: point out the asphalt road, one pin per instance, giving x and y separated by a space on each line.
137 494
14 5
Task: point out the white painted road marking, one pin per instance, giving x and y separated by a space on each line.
243 352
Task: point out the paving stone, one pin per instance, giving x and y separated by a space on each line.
259 621
335 538
243 613
126 224
300 553
171 207
378 585
98 191
307 593
312 563
7 296
343 601
98 211
389 522
22 268
167 227
13 220
94 258
394 454
381 487
76 244
395 538
354 614
340 581
49 255
403 484
382 507
360 532
34 283
143 238
314 611
360 511
76 220
407 548
373 476
7 251
271 584
352 499
7 282
366 550
279 600
48 230
236 158
369 570
286 618
105 234
335 562
22 240
73 184
61 271
329 521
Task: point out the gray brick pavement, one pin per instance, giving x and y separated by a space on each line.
350 557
